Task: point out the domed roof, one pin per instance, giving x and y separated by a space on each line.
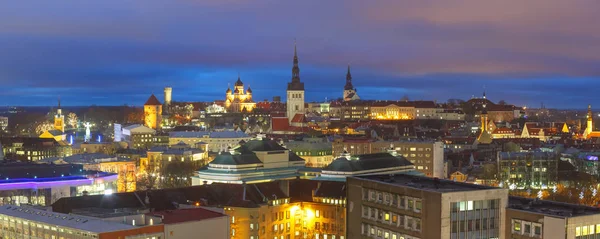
249 90
228 90
239 82
236 90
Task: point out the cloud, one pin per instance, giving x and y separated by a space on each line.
121 51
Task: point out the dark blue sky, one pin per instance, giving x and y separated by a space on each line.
119 52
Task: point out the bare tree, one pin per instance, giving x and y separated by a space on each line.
43 126
72 120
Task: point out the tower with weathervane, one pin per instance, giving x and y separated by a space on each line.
349 90
59 119
295 91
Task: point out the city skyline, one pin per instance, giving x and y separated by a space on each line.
523 53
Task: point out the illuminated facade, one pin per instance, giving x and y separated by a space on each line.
536 170
320 215
43 184
153 113
237 101
59 119
124 168
392 111
589 129
316 151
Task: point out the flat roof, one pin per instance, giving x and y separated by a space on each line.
186 215
425 183
64 220
551 208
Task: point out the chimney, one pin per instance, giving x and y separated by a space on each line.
244 193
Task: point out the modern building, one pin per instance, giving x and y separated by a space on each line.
43 184
349 90
523 170
213 141
153 113
427 156
317 152
258 160
237 101
28 222
33 149
136 135
533 218
403 206
125 168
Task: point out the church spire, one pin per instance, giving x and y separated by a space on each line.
59 102
295 68
295 84
348 85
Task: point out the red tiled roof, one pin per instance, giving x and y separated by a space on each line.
299 118
152 101
503 131
280 124
186 215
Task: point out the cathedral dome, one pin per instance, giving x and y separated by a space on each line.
249 90
239 82
228 90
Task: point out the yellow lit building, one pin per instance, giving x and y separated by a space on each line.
58 133
153 113
386 110
282 216
237 100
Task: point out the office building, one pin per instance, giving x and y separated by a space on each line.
412 207
528 218
522 170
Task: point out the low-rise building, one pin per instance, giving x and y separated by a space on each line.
43 184
317 152
217 140
33 149
136 135
427 156
125 168
532 218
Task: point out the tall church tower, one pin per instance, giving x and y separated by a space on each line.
349 90
295 91
59 119
484 137
590 122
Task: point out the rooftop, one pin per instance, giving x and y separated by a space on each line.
185 215
64 220
551 208
201 134
367 162
426 183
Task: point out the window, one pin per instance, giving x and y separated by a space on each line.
527 228
516 226
537 230
232 219
318 213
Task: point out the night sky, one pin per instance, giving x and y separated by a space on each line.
115 52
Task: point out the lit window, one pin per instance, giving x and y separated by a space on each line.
318 213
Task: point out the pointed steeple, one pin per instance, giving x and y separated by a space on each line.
295 84
59 102
348 85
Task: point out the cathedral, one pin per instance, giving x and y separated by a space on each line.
349 90
237 101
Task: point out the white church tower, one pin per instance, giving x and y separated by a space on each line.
295 91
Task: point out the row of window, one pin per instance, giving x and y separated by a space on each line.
398 220
526 228
394 200
587 230
379 233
